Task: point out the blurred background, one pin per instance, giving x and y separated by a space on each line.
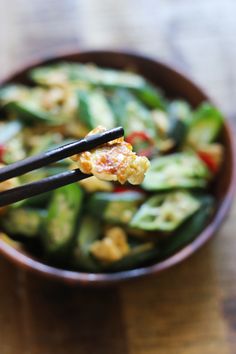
190 309
197 36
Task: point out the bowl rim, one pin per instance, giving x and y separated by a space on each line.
82 278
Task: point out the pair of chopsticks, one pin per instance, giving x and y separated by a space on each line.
47 184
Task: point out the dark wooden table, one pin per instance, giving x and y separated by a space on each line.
190 309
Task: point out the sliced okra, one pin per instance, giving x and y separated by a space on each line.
60 223
179 170
165 212
115 207
89 232
24 221
94 109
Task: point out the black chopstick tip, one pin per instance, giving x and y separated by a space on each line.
115 132
120 130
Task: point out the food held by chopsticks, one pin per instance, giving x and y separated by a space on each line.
113 161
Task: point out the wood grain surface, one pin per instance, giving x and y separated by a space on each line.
190 309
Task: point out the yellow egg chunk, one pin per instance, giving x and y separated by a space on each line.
112 247
113 161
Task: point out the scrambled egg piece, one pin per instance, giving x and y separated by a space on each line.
113 161
112 247
59 100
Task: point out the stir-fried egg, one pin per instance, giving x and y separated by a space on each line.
113 161
112 247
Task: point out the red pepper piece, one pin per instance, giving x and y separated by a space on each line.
209 161
122 189
140 136
2 151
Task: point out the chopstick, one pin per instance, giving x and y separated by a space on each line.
47 184
32 163
44 185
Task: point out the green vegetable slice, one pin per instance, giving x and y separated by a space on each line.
62 73
179 170
94 109
138 255
131 113
53 106
59 226
205 125
115 207
179 114
151 96
165 212
190 228
88 233
12 93
177 130
180 109
24 221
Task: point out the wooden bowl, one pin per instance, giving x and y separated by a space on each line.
173 84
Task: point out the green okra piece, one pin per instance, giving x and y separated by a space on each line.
28 103
179 114
205 126
59 226
180 109
190 229
92 75
151 96
178 170
131 114
89 232
24 221
165 212
94 109
138 256
115 207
